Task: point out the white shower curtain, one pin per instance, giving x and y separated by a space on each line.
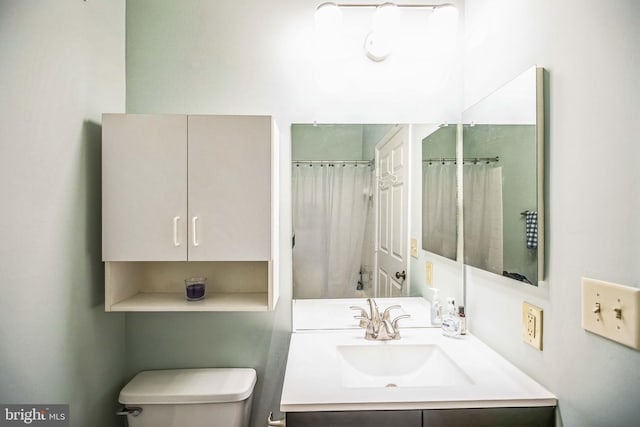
330 206
482 196
439 219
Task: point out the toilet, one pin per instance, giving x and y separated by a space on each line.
210 397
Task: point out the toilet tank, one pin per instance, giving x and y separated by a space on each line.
189 397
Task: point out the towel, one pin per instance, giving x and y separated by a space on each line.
516 276
531 229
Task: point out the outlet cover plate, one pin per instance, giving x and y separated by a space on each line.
428 273
600 300
532 325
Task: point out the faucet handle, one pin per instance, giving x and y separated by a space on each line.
363 316
386 315
394 325
394 322
363 312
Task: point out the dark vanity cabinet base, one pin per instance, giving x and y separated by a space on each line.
355 419
485 417
543 416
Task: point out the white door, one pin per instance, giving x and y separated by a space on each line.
392 213
144 187
230 188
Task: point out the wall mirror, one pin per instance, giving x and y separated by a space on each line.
503 173
439 192
346 179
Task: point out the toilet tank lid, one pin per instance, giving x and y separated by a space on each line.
182 386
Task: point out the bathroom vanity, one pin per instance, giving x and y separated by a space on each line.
336 377
494 417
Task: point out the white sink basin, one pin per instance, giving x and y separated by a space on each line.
341 371
394 364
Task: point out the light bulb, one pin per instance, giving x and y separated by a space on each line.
386 17
379 42
442 31
328 17
444 19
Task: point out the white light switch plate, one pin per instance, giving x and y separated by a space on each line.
611 310
414 247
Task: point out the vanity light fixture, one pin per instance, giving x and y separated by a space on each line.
378 43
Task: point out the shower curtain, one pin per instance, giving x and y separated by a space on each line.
330 206
439 219
483 216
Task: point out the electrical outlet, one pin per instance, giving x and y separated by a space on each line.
428 278
414 247
532 325
611 310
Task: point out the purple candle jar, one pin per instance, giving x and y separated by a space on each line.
195 288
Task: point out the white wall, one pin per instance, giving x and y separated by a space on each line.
257 57
593 191
61 66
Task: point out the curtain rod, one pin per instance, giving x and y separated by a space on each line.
465 159
373 5
332 162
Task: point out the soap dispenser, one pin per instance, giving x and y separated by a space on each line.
436 309
450 321
463 320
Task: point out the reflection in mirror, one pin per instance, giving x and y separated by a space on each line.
502 180
439 193
333 209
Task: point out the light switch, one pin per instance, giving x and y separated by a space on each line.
532 325
612 311
414 247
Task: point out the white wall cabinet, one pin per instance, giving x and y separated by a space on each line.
189 196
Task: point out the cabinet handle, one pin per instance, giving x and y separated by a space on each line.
175 231
195 231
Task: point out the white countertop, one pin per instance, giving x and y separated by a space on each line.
315 377
330 314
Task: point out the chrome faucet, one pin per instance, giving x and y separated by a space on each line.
379 327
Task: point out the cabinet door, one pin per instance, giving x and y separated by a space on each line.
542 416
144 187
400 418
230 188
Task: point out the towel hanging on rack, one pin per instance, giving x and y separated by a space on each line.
531 229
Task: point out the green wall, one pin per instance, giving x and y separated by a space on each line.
256 57
61 66
336 141
327 142
208 58
441 143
